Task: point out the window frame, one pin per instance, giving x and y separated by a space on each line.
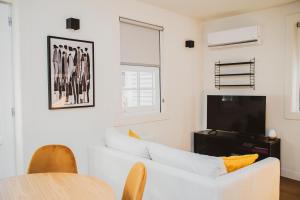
292 79
123 119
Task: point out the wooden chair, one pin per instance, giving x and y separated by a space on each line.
53 158
135 183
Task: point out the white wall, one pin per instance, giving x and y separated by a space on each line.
79 128
270 74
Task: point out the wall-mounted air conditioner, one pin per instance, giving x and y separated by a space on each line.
245 35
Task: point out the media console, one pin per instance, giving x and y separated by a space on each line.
228 144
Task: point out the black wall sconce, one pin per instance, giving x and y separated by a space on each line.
72 23
190 44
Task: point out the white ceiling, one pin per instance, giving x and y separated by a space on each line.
208 9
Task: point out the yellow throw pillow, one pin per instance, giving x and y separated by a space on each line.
233 163
133 134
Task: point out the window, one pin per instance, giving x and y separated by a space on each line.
292 96
140 89
140 66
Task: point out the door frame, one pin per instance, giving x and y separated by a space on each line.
17 98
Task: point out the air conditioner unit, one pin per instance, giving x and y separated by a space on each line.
245 35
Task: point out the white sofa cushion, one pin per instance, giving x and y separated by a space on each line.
196 163
121 142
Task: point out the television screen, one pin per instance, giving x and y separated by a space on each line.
243 114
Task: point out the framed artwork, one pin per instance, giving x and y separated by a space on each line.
71 81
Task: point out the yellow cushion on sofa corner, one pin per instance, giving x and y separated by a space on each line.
233 163
133 134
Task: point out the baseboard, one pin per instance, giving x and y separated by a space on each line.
290 174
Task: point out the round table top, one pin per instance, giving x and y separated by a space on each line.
50 186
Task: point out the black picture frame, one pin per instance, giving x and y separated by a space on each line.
71 81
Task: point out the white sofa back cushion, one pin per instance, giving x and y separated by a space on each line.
200 164
121 142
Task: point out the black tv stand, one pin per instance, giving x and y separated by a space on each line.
216 132
212 132
219 143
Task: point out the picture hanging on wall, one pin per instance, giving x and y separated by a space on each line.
70 73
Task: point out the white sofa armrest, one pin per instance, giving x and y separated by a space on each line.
259 181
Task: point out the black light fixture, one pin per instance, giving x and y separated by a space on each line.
72 23
190 44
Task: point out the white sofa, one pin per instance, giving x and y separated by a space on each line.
259 181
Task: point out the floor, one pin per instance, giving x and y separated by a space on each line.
289 189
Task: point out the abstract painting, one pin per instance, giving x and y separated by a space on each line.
70 73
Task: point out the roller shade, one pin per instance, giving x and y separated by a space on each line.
139 43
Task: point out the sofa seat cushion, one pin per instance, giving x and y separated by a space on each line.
202 165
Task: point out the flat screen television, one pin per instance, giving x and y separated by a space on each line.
243 114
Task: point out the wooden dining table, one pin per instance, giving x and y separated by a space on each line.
58 186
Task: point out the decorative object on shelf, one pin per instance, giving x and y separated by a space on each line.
70 73
272 133
189 44
72 23
248 72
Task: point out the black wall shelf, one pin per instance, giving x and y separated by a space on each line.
236 63
251 74
242 85
238 74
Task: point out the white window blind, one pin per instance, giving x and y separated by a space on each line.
140 64
140 44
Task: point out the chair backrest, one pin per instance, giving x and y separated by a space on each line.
135 182
53 158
